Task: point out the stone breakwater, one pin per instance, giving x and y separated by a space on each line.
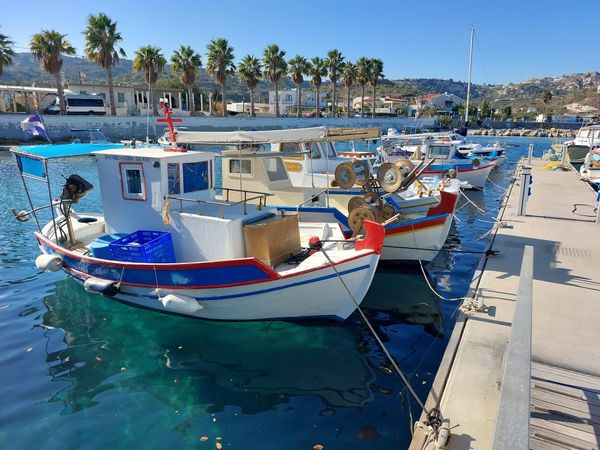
550 132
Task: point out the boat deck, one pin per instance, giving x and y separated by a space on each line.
565 368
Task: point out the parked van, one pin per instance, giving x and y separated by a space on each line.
80 104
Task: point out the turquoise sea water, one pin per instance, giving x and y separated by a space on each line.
82 371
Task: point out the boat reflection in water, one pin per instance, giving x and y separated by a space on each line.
253 365
111 364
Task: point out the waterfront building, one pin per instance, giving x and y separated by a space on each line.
288 100
443 104
130 100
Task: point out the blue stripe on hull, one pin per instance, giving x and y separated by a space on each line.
206 276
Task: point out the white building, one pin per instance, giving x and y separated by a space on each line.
441 103
133 100
288 100
383 105
130 100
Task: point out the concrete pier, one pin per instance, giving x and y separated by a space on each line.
564 400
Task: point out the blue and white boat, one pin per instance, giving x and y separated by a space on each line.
165 243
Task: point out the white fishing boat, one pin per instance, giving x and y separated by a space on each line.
165 243
586 140
417 218
590 169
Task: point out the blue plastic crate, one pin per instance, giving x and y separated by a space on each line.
144 246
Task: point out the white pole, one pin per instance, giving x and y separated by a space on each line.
469 80
524 193
530 154
563 155
598 208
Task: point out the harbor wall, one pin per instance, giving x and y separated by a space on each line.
127 127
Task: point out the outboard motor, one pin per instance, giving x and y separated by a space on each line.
75 188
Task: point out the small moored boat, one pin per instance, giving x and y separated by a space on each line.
165 243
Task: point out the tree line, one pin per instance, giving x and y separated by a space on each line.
102 39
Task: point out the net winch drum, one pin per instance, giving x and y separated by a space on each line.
389 177
359 215
361 172
344 175
355 202
404 165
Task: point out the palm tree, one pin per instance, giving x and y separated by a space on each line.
334 65
151 60
47 47
220 64
275 68
362 78
187 62
250 70
375 73
6 52
317 69
101 39
298 67
348 73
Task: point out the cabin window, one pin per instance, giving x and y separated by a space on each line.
195 176
314 152
234 166
133 184
173 178
275 169
330 150
292 147
438 151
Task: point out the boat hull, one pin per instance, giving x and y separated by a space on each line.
475 176
577 153
232 290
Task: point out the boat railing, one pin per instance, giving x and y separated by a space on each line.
254 195
312 198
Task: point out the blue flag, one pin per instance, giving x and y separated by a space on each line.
34 126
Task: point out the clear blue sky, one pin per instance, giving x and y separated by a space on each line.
515 40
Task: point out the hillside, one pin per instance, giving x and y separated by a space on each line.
575 93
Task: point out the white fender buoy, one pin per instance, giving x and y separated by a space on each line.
49 263
180 303
102 287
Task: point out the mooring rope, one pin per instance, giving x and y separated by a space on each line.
430 413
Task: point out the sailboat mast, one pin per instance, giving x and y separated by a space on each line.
469 80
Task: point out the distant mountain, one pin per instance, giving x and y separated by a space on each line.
580 89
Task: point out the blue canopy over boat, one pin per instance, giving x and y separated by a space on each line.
31 159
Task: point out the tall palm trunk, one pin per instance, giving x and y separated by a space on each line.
373 108
348 102
191 105
333 111
299 100
317 102
111 91
153 99
61 93
276 99
223 105
252 114
362 101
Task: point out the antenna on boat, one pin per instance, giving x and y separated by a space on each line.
469 79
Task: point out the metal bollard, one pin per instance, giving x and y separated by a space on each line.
530 155
525 192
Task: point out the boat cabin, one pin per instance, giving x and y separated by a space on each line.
156 189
